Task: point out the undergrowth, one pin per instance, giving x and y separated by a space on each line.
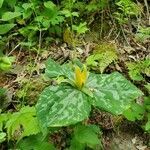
43 96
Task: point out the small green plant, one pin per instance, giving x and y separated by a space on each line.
7 16
143 34
6 63
103 55
35 142
70 102
29 89
47 16
32 17
135 112
126 10
73 37
20 124
80 29
140 112
136 69
82 136
95 6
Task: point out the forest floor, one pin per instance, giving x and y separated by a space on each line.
25 82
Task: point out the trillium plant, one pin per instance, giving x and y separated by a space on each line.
70 101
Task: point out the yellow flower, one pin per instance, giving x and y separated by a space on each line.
80 76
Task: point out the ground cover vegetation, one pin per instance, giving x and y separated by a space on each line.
74 74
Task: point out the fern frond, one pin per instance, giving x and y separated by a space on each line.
136 69
103 56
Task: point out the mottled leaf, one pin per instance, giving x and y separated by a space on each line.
62 106
53 69
113 92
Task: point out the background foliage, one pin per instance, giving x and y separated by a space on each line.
99 33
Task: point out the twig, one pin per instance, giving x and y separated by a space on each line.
40 39
148 14
13 49
124 35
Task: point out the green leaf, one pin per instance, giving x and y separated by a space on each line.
62 106
147 126
143 34
91 60
27 5
29 31
75 14
1 3
2 137
136 111
11 3
27 14
6 63
49 5
10 15
4 28
81 28
68 13
75 145
112 93
3 119
24 121
35 142
85 136
53 69
136 69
